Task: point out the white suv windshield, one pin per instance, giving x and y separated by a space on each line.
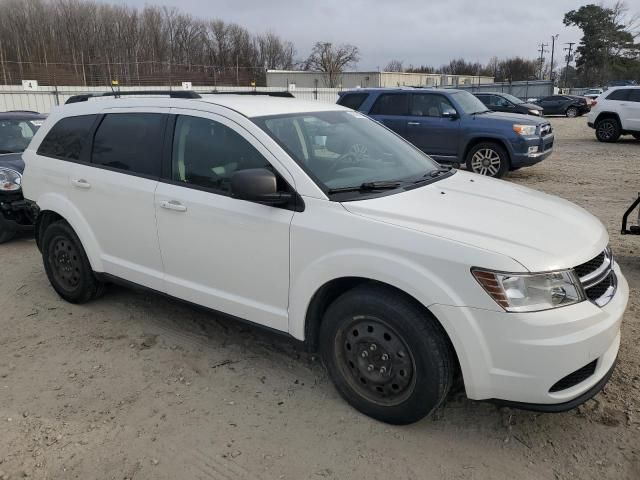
347 149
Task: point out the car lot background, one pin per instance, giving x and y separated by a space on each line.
138 386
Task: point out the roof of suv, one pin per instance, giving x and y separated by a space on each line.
247 105
402 90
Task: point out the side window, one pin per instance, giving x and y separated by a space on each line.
621 94
486 99
130 142
500 101
207 153
353 100
391 104
429 105
634 95
67 138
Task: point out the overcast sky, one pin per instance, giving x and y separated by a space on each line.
414 31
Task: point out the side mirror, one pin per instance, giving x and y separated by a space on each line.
450 113
258 185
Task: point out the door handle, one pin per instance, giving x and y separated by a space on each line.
413 123
173 205
81 183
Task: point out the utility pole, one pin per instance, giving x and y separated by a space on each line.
553 50
542 52
566 69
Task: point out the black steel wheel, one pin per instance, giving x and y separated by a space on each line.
67 265
376 361
387 356
607 130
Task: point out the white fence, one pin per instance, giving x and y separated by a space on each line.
13 97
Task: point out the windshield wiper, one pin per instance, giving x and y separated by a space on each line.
367 186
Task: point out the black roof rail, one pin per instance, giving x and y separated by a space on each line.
23 111
170 93
280 93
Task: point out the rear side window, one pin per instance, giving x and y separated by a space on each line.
391 104
634 95
353 100
622 94
130 142
67 138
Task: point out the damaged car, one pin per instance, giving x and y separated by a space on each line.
17 128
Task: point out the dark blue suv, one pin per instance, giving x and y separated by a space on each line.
453 126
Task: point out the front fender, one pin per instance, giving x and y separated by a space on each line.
59 204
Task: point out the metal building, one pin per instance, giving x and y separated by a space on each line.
291 79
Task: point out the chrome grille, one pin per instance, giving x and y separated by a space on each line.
546 129
598 278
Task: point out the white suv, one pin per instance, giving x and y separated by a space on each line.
616 112
315 221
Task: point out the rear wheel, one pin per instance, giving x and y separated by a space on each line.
572 112
387 357
488 159
67 265
607 130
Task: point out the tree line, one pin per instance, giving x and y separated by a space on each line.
94 42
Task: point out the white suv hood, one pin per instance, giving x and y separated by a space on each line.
540 231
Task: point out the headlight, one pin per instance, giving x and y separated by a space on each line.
524 129
10 180
534 112
522 292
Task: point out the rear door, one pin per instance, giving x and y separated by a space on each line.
553 105
114 191
630 110
392 109
429 130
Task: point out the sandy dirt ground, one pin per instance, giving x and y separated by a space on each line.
138 386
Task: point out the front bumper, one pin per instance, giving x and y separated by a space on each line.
518 357
520 156
16 213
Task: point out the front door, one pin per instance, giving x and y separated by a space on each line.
220 252
429 130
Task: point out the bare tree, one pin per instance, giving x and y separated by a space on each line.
394 66
332 60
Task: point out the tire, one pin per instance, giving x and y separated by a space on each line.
572 112
371 327
67 265
608 130
6 236
488 158
635 135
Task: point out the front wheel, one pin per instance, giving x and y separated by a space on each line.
386 356
488 159
572 112
608 130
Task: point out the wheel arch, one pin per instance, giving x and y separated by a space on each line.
608 114
332 289
486 139
54 207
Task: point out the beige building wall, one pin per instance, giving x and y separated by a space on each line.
302 79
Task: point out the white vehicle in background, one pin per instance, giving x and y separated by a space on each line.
318 222
616 113
593 93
